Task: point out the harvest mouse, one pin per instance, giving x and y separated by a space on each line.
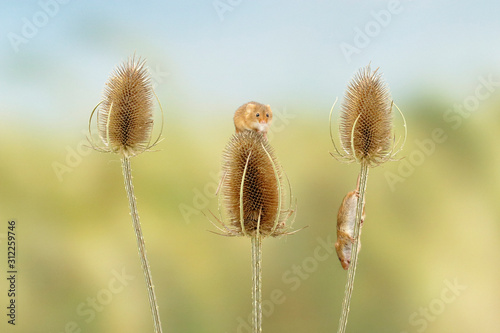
253 116
346 219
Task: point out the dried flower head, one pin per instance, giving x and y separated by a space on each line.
252 187
125 115
125 123
366 137
366 120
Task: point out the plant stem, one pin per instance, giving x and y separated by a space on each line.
363 176
127 174
257 282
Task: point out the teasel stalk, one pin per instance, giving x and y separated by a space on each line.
253 196
125 125
366 137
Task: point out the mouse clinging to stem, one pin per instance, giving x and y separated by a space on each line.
346 219
253 116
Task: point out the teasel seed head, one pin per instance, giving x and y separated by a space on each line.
125 115
366 119
252 187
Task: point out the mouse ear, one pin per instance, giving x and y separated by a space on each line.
268 107
250 107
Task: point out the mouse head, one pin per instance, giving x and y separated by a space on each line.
258 116
344 254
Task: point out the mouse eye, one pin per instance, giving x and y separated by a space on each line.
257 115
267 115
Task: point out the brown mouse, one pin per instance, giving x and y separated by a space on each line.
253 116
346 219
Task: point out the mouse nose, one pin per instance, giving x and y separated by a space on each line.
262 121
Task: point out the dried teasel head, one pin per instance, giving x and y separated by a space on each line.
252 188
125 115
366 120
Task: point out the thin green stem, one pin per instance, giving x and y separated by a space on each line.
127 174
257 282
363 177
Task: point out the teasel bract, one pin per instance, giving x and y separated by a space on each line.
366 137
125 125
253 195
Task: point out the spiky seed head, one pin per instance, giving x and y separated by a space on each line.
366 118
125 116
248 161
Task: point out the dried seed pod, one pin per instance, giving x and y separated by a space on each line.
125 116
346 219
252 187
366 119
366 137
125 123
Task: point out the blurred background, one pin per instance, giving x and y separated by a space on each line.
430 256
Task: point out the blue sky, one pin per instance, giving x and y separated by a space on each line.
207 61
